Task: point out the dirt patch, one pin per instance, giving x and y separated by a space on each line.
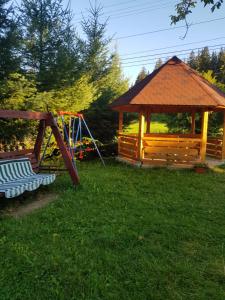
40 200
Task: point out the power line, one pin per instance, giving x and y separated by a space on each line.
122 13
167 29
174 46
177 51
169 54
153 60
139 12
138 6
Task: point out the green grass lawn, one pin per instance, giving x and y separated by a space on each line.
156 127
124 233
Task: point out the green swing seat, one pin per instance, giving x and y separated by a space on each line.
17 176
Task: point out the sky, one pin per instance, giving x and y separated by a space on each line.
131 17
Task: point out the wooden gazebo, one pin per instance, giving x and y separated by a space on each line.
173 88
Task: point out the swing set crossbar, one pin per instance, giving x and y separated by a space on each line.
68 113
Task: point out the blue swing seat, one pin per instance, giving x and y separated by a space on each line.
17 176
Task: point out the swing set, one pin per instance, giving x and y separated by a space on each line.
69 144
73 127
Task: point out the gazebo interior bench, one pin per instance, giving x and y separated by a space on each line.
17 176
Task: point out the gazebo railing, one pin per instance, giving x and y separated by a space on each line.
161 149
171 149
214 147
128 145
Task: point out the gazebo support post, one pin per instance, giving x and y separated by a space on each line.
120 122
141 135
148 117
204 129
223 145
193 123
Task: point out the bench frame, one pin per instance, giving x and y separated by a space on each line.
45 120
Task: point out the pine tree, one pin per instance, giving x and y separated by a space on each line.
143 73
48 39
204 60
220 76
9 40
193 61
158 63
94 45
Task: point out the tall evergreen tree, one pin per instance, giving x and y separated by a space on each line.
143 73
94 45
9 40
193 60
158 63
204 60
48 38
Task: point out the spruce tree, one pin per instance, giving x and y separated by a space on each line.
158 63
48 40
94 45
193 61
142 74
204 60
9 40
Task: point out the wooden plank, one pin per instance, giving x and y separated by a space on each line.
128 146
171 144
171 150
15 154
172 139
132 151
166 135
130 135
26 115
128 140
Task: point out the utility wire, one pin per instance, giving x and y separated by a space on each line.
177 51
167 29
140 12
126 12
153 60
171 54
174 46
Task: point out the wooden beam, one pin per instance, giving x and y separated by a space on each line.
120 122
40 139
65 152
223 142
148 119
141 135
204 129
26 115
193 123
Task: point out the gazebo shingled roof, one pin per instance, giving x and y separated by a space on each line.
174 84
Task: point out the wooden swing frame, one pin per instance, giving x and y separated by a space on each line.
45 120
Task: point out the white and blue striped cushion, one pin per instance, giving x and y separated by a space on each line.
17 176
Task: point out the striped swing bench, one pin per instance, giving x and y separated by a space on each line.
17 176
